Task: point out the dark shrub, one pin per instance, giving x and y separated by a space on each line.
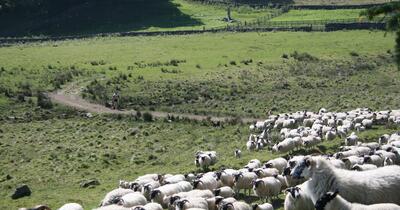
354 54
147 117
286 56
43 101
303 56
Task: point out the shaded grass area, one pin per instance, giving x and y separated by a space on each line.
53 150
72 17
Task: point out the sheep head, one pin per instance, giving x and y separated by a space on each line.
325 199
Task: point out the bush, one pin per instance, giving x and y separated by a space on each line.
147 117
303 56
43 101
233 63
354 54
285 56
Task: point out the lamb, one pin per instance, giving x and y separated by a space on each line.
71 206
236 206
114 196
382 183
195 202
297 199
238 153
251 145
351 140
206 183
331 201
267 187
265 206
244 181
132 199
225 192
149 206
203 161
278 163
364 167
158 195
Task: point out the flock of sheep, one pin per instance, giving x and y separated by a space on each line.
359 176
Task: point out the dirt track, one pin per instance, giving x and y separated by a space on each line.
70 96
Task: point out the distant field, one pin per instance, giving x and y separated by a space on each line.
301 15
240 74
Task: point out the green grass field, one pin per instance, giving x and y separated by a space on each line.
304 15
338 2
52 151
223 74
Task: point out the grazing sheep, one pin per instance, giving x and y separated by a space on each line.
113 207
253 164
206 183
149 206
147 188
227 176
71 206
195 202
190 194
384 139
364 167
278 163
225 192
351 140
374 159
333 201
265 206
267 187
251 145
132 199
382 183
244 181
158 195
298 199
238 205
114 196
350 161
174 179
284 146
266 172
367 123
311 141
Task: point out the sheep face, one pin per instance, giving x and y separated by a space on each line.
324 200
228 206
303 169
294 191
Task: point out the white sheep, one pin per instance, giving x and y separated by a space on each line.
174 179
352 139
333 201
238 153
374 159
297 198
244 181
278 163
367 123
149 206
265 206
113 207
226 176
252 164
350 161
382 183
113 197
251 145
71 206
238 205
284 146
132 199
208 182
267 187
266 172
158 195
147 188
192 202
225 192
190 194
363 167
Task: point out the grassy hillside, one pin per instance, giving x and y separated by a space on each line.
223 74
66 17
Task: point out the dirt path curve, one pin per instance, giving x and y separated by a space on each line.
70 96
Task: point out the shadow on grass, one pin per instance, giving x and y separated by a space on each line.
73 17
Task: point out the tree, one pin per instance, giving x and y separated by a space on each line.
392 12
